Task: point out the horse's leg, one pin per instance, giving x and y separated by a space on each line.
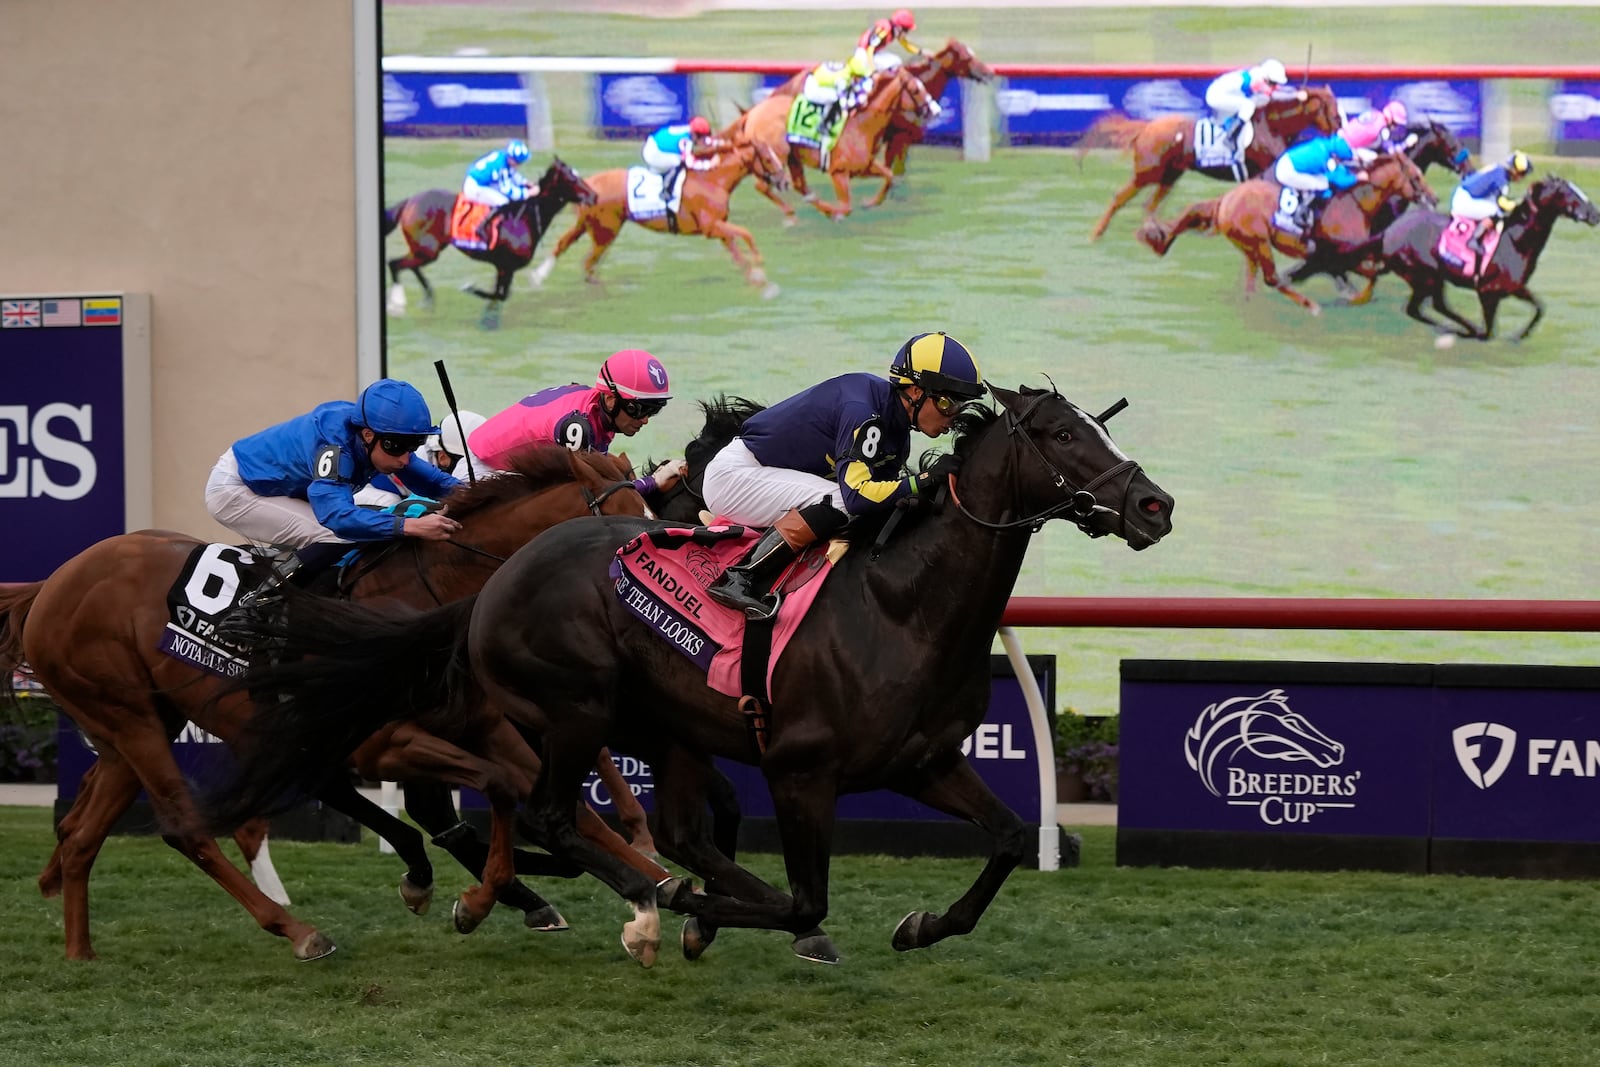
106 792
252 841
765 188
962 793
542 271
396 305
490 320
150 755
1420 291
1163 187
1259 250
416 885
1490 303
728 234
602 236
1126 193
1442 307
841 191
888 180
629 810
1527 297
427 290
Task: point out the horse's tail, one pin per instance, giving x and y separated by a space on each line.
15 604
1110 131
391 217
1201 216
336 673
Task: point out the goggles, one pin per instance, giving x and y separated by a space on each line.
945 405
401 444
640 409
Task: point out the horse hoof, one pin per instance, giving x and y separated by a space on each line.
790 220
816 947
417 899
909 934
545 920
461 915
695 938
641 949
397 312
313 946
770 291
1444 340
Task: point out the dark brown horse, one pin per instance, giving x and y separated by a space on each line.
703 210
882 681
1163 148
935 70
1244 216
856 153
91 633
1409 248
424 221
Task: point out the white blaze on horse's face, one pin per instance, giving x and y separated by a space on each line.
1096 428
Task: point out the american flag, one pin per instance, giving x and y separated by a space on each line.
14 313
60 312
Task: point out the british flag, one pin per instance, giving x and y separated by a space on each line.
15 313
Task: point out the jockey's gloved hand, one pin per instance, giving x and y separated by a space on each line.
931 479
667 475
934 110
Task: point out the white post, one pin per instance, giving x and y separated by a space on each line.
1044 745
1496 120
977 125
541 133
389 800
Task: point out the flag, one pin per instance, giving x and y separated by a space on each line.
60 312
15 313
102 312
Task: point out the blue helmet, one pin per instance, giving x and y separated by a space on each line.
390 406
517 151
939 364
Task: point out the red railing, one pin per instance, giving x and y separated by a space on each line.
1305 613
1328 72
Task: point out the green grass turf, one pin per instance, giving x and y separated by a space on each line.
1336 456
1094 966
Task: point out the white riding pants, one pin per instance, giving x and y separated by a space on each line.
265 520
483 194
1228 100
1467 206
1284 171
817 93
738 488
661 162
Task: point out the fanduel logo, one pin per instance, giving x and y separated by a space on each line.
1231 735
1466 737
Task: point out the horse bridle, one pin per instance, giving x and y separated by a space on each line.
1079 504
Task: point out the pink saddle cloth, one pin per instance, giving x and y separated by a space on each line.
661 577
1454 250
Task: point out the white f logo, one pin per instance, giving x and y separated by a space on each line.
1465 737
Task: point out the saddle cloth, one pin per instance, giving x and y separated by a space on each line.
661 577
210 583
1286 217
464 222
1454 251
1212 147
645 194
804 127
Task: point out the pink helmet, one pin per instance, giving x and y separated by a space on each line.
1395 113
1360 134
904 20
634 374
699 126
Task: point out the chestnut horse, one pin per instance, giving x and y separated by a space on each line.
1244 216
856 153
424 221
1163 148
703 209
935 70
91 633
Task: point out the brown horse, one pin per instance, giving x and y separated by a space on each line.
91 633
424 221
1244 216
935 70
703 209
1163 148
856 153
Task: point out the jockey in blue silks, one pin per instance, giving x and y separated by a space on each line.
494 180
1317 166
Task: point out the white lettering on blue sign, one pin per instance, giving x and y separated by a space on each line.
23 477
1574 107
1026 101
992 740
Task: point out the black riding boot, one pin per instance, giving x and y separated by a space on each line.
744 585
299 570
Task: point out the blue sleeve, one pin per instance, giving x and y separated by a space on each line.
333 502
868 479
1342 178
425 479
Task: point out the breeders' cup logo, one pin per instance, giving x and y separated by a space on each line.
1149 100
658 374
1439 102
643 100
1264 727
1467 740
399 103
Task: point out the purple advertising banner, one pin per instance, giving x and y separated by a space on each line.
1575 112
455 105
200 756
74 427
944 130
636 105
1274 755
1050 110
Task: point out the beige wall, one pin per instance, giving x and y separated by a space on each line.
200 151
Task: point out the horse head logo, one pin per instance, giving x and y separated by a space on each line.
702 565
1263 726
658 374
1465 739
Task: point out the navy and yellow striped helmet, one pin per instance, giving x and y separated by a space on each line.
939 364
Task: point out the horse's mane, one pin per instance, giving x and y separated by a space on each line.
967 426
531 470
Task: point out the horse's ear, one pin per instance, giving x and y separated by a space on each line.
1006 397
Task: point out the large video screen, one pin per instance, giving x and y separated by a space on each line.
1350 453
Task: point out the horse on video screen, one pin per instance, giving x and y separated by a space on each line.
92 634
1409 248
883 679
424 221
703 210
1244 215
1163 148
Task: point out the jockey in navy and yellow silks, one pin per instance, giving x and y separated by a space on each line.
805 465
